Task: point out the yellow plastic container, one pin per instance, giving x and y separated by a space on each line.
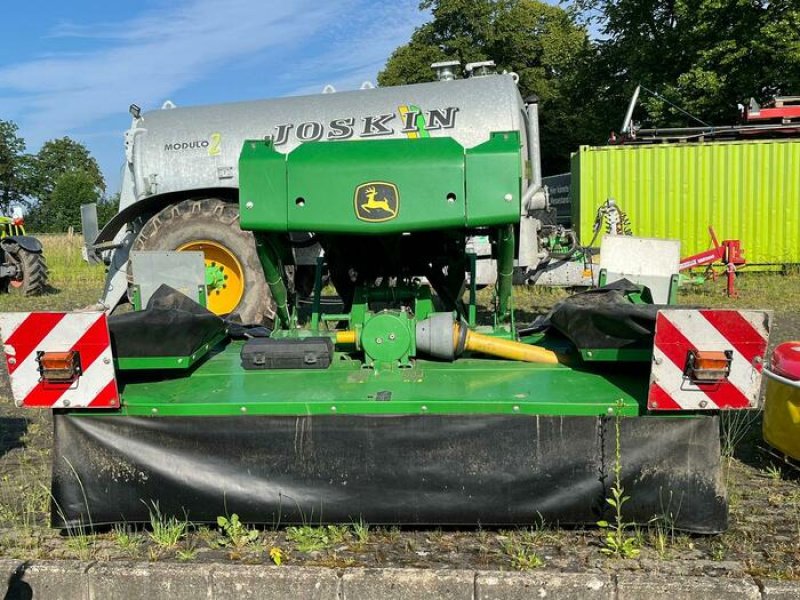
781 427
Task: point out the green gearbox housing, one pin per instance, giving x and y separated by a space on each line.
380 187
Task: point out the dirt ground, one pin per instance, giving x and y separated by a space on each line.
764 497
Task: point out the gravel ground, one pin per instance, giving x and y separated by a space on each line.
764 496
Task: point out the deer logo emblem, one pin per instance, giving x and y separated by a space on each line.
376 201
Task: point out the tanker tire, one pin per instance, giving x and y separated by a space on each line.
218 221
33 268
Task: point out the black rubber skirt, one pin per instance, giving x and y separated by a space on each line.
406 470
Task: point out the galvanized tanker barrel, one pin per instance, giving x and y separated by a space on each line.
180 149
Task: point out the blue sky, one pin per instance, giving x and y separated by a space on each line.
73 68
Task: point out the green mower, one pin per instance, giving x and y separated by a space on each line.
392 402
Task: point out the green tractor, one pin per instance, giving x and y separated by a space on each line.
22 264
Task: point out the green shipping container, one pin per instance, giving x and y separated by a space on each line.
746 190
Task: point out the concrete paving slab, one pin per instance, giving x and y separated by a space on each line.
76 580
779 590
407 584
54 580
491 585
261 582
661 587
123 581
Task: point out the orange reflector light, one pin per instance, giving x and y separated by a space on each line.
708 366
59 367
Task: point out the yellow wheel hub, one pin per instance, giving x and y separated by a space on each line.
224 275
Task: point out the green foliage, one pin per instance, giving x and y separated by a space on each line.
14 166
63 175
166 532
617 543
311 539
107 207
235 535
63 208
126 539
361 532
81 543
186 554
57 158
276 555
540 42
519 546
525 560
773 472
735 426
703 55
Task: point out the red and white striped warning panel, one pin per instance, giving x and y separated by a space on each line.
708 359
59 360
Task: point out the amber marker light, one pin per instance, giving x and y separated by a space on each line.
707 366
59 367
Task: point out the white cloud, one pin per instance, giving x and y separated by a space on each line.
157 54
360 46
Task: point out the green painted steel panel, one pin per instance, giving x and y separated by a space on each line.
747 190
494 180
427 174
219 386
157 363
262 187
381 186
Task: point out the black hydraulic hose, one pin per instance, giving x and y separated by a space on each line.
542 266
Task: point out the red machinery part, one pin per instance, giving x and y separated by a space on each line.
776 113
786 360
729 253
733 252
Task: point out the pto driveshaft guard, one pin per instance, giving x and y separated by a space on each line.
413 470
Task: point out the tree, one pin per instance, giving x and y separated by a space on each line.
107 207
63 208
14 165
702 55
63 176
58 157
540 42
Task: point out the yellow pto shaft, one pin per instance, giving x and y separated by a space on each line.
440 336
508 349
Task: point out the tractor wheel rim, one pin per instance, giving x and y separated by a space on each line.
227 289
16 283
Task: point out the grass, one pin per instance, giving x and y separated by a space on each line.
773 472
773 290
126 539
361 532
75 283
166 532
519 547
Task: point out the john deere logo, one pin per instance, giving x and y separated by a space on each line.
377 201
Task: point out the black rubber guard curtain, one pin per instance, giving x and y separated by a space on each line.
427 470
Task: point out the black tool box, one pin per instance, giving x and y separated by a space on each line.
305 353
